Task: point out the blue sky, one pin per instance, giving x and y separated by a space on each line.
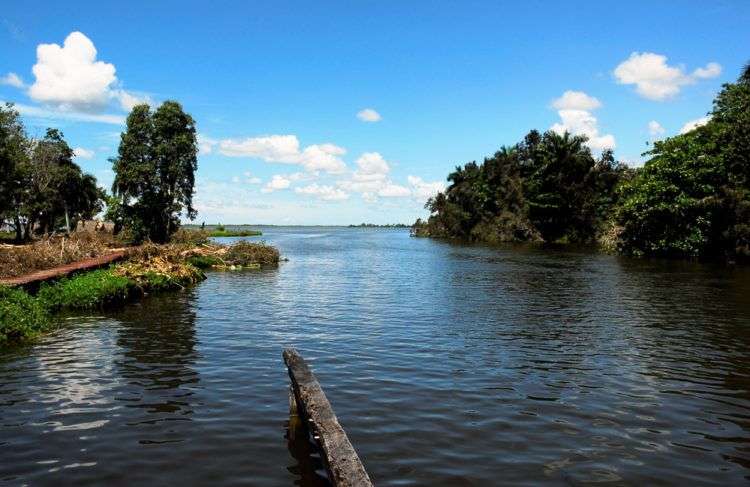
276 88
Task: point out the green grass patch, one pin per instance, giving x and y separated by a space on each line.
21 315
204 261
91 290
234 233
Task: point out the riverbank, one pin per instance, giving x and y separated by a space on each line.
146 269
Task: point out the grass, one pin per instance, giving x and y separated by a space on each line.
150 268
21 316
91 290
234 233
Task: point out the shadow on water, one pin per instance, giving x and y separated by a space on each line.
158 354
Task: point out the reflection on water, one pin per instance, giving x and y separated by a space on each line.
446 364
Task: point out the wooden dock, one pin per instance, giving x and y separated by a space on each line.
35 278
308 400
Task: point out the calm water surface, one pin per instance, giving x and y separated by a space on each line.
446 364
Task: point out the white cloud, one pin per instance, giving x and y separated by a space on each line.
286 149
423 190
369 115
51 114
574 107
655 130
576 100
69 78
712 70
272 148
12 79
82 153
276 183
325 157
655 79
371 167
391 190
327 193
694 124
205 144
130 100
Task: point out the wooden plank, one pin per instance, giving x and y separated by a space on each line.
64 270
345 469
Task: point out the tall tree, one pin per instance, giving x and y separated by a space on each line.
155 170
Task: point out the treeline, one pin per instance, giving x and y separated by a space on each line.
41 188
43 191
690 199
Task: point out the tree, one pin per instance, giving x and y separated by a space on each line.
14 150
547 187
692 198
155 170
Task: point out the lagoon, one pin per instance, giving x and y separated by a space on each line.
446 364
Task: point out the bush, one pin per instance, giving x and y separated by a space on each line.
247 254
204 261
92 290
21 316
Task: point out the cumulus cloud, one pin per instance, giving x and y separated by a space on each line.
327 193
391 190
574 107
276 183
12 79
52 114
369 115
576 100
655 79
371 167
70 78
694 124
286 149
423 190
82 153
206 144
655 130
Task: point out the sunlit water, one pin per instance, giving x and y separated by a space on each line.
446 364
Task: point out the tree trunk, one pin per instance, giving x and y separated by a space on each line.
67 220
19 228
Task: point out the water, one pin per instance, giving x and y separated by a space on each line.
446 364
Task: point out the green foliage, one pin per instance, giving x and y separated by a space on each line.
548 187
204 261
21 316
90 290
155 171
234 233
41 188
692 198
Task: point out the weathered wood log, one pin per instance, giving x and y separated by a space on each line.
345 469
64 270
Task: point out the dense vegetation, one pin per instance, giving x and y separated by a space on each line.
549 187
690 199
41 188
154 172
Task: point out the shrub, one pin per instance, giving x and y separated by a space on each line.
247 254
204 261
21 316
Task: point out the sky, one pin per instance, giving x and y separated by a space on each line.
355 111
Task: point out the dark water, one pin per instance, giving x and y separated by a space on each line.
447 365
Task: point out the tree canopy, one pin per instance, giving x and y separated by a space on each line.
41 188
690 199
155 171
